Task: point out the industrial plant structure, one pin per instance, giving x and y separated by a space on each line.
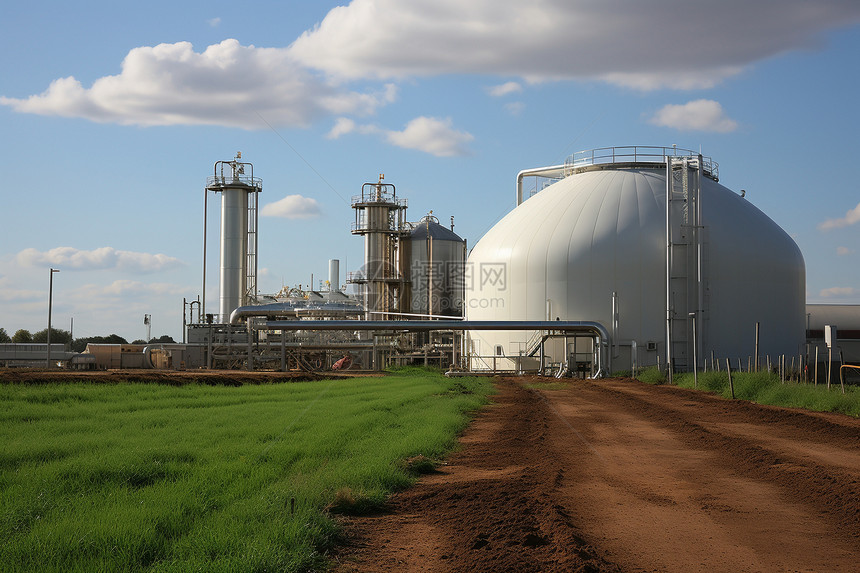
627 257
632 256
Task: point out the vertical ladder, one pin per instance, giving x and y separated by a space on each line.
251 250
684 285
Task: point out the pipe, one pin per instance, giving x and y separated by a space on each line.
147 352
595 328
273 309
552 171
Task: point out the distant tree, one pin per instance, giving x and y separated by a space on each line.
163 339
80 344
138 341
4 337
22 336
58 336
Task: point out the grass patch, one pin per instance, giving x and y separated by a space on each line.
766 388
549 384
144 477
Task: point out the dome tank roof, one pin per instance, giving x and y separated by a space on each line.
429 226
600 233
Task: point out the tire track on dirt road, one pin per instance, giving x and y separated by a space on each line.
615 475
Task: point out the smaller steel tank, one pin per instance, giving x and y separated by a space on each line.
437 268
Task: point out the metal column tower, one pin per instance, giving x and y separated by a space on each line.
380 218
684 281
239 221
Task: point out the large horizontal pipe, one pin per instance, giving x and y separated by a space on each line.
272 309
427 325
291 309
591 327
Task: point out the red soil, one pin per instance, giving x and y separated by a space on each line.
615 475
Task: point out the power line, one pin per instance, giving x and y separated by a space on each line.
302 158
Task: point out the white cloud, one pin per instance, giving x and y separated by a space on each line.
214 22
515 107
842 251
123 288
505 89
431 135
427 134
292 207
690 79
227 84
664 43
839 292
850 218
698 115
342 126
8 292
98 259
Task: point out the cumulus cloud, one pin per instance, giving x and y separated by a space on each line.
851 217
125 287
665 43
120 296
292 207
428 134
698 115
98 259
342 126
843 251
431 135
839 292
505 89
227 84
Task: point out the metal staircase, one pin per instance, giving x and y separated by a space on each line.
251 250
684 285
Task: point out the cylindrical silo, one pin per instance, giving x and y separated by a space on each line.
437 269
234 247
334 275
593 246
239 218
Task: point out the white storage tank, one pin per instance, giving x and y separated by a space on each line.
593 246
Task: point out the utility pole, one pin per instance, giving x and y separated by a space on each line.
50 304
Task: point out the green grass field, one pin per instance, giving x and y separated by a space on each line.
766 388
142 477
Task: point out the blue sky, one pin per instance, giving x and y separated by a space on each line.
113 114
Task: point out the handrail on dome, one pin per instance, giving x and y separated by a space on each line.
635 154
627 156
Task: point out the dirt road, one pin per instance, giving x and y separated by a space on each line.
615 475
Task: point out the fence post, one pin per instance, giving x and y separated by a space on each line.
816 365
756 346
731 384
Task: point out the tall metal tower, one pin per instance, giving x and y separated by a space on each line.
239 219
380 217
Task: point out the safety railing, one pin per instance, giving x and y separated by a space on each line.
227 181
635 154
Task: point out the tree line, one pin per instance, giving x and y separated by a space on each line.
59 336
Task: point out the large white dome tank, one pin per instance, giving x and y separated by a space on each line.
596 240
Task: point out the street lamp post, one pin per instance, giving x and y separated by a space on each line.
50 304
